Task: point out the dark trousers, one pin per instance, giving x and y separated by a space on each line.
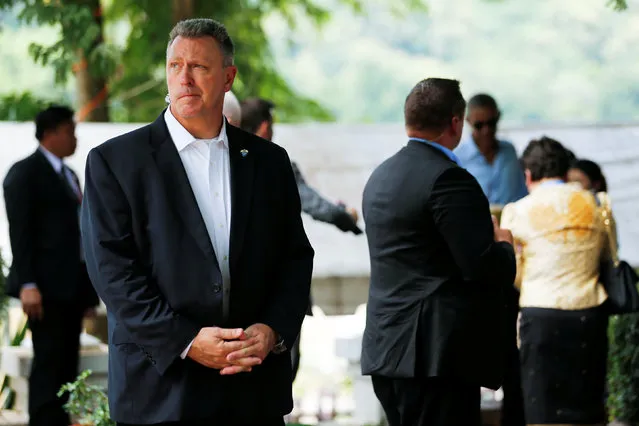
512 406
267 422
434 401
56 352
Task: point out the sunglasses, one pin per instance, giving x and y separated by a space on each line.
492 123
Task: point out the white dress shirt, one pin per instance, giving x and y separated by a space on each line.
207 166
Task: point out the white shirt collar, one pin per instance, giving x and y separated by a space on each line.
182 138
55 161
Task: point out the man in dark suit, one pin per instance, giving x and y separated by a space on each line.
43 197
439 267
257 118
194 241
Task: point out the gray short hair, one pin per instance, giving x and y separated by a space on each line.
204 27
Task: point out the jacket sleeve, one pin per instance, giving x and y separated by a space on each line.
118 275
462 215
320 208
285 311
20 207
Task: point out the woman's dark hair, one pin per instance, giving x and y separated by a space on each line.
545 158
593 172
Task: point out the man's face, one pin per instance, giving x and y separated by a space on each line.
484 124
62 140
196 77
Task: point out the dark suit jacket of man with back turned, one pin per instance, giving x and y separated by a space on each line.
150 256
436 305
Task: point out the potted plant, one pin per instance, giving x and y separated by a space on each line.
87 403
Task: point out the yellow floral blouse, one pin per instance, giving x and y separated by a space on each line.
560 233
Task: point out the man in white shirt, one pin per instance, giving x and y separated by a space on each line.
195 243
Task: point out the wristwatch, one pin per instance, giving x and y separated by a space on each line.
279 346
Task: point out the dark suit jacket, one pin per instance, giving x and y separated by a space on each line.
436 305
321 209
42 210
152 262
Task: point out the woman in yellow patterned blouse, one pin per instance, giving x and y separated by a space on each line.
560 239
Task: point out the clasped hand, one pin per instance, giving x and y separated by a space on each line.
232 350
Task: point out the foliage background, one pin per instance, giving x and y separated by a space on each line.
567 61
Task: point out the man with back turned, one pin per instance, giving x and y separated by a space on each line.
439 266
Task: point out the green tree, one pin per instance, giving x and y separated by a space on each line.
131 81
136 86
22 106
80 49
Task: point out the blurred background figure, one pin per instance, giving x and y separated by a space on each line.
561 238
588 174
493 162
48 273
257 118
232 109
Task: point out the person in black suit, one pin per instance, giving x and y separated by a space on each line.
48 274
257 118
195 243
439 268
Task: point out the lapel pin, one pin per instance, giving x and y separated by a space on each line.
244 152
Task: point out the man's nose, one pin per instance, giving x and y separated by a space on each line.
185 76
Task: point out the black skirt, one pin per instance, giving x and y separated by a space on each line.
563 365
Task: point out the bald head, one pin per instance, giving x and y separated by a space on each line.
232 110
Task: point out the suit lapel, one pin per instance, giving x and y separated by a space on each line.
56 177
178 188
242 174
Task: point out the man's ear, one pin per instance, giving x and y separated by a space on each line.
528 177
229 73
262 130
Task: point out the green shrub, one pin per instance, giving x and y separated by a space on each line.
87 403
623 368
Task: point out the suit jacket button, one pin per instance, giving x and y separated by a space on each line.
217 288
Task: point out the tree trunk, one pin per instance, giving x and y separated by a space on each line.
182 9
92 92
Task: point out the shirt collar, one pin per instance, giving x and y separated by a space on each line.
447 152
55 161
182 138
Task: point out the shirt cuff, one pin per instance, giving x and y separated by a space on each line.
29 285
186 351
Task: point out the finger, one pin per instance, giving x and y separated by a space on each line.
39 312
237 345
245 352
250 361
495 222
228 333
234 369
